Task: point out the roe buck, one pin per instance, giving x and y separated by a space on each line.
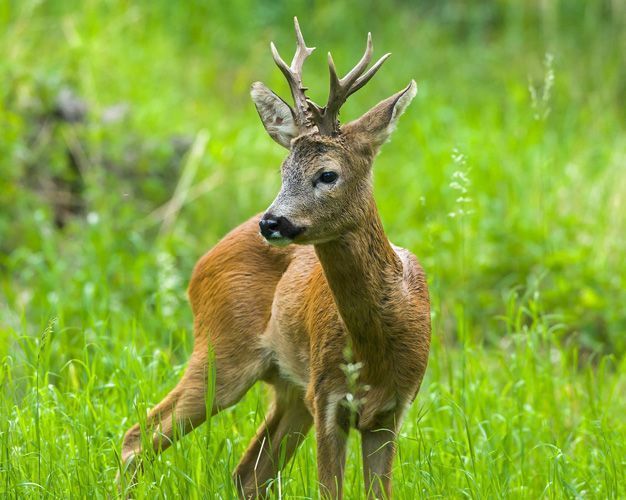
283 313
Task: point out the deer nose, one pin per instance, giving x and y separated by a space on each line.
275 228
268 225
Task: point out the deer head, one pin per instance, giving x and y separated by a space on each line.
326 178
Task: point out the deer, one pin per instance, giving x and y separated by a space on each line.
280 297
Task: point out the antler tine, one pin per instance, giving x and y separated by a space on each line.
355 72
342 88
363 79
336 93
293 74
279 61
302 52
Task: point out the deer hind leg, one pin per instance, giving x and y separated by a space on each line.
276 441
378 449
185 408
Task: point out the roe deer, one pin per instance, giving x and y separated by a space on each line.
280 305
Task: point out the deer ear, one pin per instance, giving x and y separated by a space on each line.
375 126
276 114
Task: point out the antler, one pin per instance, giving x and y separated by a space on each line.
307 114
293 74
326 118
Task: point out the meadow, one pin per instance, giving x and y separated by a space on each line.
129 146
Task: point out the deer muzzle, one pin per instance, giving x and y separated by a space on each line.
278 229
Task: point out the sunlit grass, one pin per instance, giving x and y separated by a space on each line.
524 419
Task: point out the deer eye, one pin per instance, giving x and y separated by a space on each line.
328 177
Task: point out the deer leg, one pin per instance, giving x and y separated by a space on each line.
184 409
331 431
276 441
378 449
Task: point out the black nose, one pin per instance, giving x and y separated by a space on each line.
268 225
273 227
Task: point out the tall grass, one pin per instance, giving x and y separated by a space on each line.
525 419
506 178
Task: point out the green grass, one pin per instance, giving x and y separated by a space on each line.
507 177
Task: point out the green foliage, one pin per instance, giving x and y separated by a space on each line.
506 177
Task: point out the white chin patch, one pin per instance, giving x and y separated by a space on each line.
277 240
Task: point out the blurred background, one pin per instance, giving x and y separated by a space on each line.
128 139
129 146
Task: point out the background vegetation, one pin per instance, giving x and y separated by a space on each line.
129 146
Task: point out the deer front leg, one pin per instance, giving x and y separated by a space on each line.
378 449
331 432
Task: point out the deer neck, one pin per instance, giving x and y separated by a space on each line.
363 272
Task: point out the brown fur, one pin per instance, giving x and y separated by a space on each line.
285 314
